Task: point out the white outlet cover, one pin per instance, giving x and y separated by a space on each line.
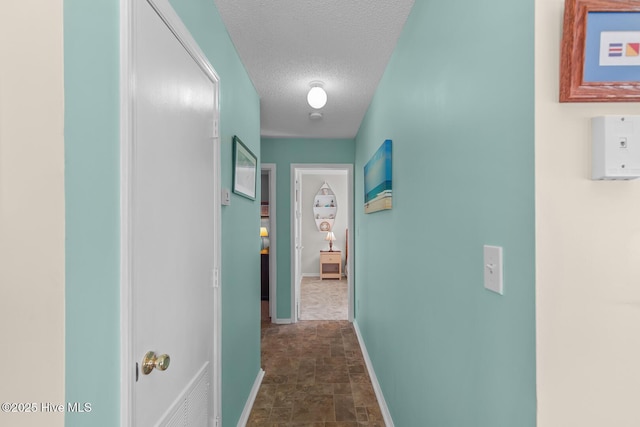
493 277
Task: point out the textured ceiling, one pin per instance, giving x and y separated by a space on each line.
286 44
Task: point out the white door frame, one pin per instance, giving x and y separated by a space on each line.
270 168
127 364
297 168
296 243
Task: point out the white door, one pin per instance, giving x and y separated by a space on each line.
173 236
298 245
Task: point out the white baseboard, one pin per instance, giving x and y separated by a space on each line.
344 274
374 380
244 418
286 321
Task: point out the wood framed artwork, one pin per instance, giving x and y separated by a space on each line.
264 209
245 166
600 56
378 191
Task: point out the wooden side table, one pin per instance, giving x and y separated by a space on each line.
330 265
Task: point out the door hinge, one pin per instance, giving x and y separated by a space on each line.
218 421
137 371
215 128
215 278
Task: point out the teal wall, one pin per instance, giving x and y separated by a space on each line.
284 152
92 192
457 99
92 209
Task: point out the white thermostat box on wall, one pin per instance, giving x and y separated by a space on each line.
615 147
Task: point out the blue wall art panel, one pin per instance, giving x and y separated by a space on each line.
377 180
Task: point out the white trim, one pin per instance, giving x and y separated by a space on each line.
127 367
386 415
273 253
331 168
350 242
293 249
244 417
285 321
217 250
177 27
318 275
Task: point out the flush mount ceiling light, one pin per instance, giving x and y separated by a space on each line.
317 97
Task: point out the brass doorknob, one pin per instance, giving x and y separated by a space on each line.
152 361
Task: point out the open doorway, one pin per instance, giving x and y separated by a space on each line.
322 245
268 242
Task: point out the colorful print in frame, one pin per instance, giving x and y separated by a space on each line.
378 191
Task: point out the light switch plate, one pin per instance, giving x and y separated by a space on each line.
226 197
493 279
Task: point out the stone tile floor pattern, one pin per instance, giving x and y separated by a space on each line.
323 299
315 376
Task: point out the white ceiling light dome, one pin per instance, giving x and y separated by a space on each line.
317 97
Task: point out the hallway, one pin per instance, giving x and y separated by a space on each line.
315 376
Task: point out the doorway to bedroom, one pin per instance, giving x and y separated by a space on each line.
268 256
322 250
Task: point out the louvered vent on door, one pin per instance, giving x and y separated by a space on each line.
192 408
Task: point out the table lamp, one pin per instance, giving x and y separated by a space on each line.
330 237
263 233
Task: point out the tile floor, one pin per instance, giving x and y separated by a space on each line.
323 299
315 376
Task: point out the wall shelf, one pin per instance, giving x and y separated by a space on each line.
325 208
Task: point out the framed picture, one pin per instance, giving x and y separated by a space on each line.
264 210
600 58
378 191
245 166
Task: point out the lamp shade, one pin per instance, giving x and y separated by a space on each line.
264 232
317 97
330 237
